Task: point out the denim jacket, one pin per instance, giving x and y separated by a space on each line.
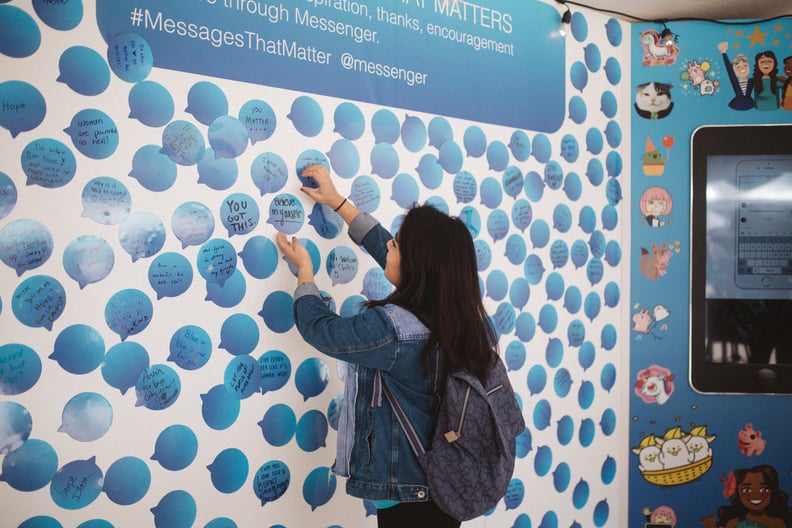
372 450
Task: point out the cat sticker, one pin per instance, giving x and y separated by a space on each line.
653 100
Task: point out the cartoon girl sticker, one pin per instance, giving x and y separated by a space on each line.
767 86
738 70
655 205
756 501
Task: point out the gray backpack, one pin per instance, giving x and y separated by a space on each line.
471 460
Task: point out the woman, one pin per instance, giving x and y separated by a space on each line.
757 501
432 323
767 85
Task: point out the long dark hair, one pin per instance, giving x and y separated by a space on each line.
757 74
778 499
439 283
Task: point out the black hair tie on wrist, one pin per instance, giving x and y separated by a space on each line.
340 205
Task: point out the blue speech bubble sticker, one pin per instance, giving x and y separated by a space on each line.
128 312
570 150
106 200
228 294
79 349
497 156
152 169
306 116
365 193
286 214
183 143
190 347
20 369
277 312
429 171
577 109
573 187
25 245
413 133
8 195
192 223
586 355
474 141
533 269
319 487
613 71
239 334
269 172
348 121
127 480
228 137
48 163
497 225
86 417
177 509
31 466
312 429
325 221
229 470
271 481
573 299
311 377
219 409
242 377
278 425
141 234
240 214
515 355
439 131
375 285
83 70
259 256
157 387
344 158
216 261
38 301
385 126
562 218
206 102
151 104
176 447
93 133
576 333
465 187
384 161
559 254
88 259
275 370
129 57
516 249
15 423
342 265
82 475
450 157
21 34
122 365
515 492
217 172
24 107
259 119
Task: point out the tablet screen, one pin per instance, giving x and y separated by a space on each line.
741 259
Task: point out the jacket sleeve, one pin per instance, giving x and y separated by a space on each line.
367 232
367 338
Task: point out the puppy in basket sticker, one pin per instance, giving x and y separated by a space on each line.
677 457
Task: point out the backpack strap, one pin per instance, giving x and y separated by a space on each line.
401 416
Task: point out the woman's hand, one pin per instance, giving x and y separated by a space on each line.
326 193
296 253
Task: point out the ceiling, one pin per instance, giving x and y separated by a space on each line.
653 10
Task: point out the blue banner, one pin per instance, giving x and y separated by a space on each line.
500 62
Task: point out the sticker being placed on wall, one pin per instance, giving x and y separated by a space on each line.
653 100
362 52
750 441
656 51
700 76
654 384
677 457
754 493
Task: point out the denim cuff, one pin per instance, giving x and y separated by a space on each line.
306 288
360 226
